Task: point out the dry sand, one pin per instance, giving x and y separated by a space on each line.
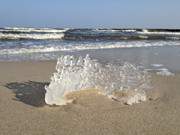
23 111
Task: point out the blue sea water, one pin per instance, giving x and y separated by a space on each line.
144 47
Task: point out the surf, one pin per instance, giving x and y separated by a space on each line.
75 74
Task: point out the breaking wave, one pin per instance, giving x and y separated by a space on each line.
87 34
31 36
83 46
160 32
77 74
122 34
25 30
31 33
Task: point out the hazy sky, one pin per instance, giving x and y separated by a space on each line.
90 13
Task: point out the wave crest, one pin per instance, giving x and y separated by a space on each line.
88 34
31 33
31 36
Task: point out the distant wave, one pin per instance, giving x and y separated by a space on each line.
47 30
31 36
162 32
88 34
122 34
85 46
31 33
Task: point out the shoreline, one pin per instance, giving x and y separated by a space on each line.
144 56
23 111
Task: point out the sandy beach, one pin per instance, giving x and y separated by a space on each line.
89 67
24 112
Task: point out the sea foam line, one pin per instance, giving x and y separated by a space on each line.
88 46
45 30
32 36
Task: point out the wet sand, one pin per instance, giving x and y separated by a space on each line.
23 110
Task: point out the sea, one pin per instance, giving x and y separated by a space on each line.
108 59
152 48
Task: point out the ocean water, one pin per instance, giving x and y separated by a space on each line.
116 56
140 46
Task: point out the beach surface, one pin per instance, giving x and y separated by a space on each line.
24 112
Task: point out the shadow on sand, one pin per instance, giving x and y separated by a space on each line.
31 92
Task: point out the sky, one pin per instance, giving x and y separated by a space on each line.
90 13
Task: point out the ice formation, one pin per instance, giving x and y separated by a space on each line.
75 74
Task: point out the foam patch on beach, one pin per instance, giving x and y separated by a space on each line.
164 72
125 83
160 69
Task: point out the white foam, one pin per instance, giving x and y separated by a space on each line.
105 30
113 30
76 74
130 30
32 36
145 31
88 46
137 98
157 65
164 72
47 30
